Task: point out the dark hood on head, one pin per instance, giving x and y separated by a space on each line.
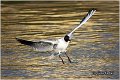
67 38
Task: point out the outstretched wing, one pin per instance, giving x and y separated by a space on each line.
40 45
89 14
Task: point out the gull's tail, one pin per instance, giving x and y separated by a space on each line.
89 14
52 56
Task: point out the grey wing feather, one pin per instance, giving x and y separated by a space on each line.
43 46
39 45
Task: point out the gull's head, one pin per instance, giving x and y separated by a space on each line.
67 38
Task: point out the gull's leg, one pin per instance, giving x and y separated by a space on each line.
68 57
61 59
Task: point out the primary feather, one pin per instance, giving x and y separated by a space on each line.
85 19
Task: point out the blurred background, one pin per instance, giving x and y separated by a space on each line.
95 46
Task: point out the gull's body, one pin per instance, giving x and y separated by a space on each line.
58 46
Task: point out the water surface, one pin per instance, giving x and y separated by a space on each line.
95 46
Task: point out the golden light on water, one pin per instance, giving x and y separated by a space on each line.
94 47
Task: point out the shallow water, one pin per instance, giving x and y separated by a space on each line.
95 46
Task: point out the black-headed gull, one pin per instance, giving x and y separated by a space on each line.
59 46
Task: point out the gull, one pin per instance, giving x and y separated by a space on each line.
60 45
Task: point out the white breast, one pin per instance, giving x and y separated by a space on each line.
62 45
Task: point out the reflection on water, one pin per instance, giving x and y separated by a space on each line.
94 47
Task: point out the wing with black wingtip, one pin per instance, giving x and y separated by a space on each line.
39 45
83 21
